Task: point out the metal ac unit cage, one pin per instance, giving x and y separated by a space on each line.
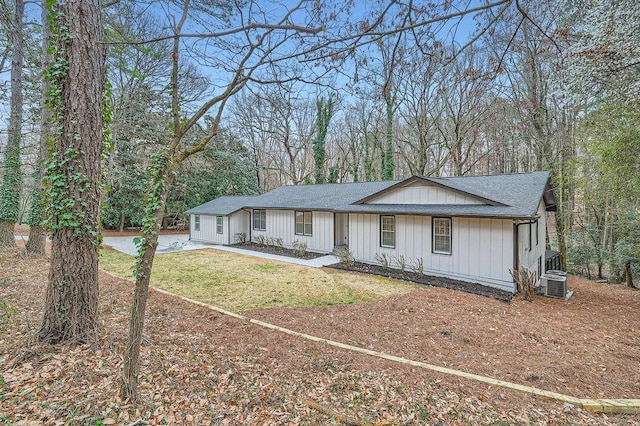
554 286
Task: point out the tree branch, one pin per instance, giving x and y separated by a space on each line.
256 26
535 24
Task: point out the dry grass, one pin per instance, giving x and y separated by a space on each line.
238 282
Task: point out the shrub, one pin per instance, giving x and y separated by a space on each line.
240 238
401 261
278 242
344 254
300 247
526 280
260 239
383 259
418 266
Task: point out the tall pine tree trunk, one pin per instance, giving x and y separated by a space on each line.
37 234
12 179
71 311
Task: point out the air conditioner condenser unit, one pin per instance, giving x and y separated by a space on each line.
554 286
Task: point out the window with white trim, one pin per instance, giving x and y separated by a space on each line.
441 228
196 222
260 220
219 224
388 231
304 223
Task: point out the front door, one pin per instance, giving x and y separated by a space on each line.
341 222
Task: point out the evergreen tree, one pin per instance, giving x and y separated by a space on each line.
325 112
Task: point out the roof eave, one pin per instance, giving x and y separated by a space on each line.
442 214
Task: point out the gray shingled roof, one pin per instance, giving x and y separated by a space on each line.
329 196
508 195
521 190
222 206
520 193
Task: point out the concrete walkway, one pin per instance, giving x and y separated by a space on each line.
179 242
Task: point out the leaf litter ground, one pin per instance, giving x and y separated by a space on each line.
201 367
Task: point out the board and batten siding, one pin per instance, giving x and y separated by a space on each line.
207 233
423 194
239 223
281 224
482 249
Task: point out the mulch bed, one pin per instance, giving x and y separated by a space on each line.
280 251
449 283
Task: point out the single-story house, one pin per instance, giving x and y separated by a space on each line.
470 228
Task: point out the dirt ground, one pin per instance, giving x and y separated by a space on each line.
201 367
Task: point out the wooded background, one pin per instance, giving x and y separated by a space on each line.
376 91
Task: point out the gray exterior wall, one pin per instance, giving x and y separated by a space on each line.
207 232
482 249
281 224
231 225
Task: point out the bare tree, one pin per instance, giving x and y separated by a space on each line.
463 93
278 125
419 143
242 55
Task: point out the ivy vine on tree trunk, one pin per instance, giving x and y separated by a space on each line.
12 179
72 174
37 233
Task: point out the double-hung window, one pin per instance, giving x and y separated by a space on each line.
260 220
196 222
388 231
441 235
219 224
304 223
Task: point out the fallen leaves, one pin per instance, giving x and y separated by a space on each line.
202 368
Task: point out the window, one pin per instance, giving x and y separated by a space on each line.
539 266
441 235
196 222
533 230
219 224
260 220
387 231
304 223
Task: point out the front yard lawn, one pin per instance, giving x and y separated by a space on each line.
238 282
